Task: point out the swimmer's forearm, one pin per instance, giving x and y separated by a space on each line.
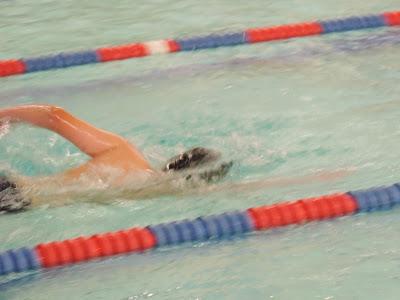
284 181
39 115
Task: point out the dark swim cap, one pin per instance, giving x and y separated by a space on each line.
196 158
11 198
191 158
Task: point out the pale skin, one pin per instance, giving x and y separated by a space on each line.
108 150
104 148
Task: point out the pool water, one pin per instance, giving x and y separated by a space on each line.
279 110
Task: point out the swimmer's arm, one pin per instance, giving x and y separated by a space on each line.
89 139
281 182
168 188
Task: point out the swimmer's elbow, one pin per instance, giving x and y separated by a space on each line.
57 115
56 111
46 114
41 109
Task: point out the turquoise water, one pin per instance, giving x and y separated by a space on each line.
280 110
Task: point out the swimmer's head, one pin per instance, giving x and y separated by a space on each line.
197 158
192 158
11 198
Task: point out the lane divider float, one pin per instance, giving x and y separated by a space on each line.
214 227
253 35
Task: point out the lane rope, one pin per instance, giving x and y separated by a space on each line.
214 227
12 67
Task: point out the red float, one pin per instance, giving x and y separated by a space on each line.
301 211
257 35
11 67
122 52
392 18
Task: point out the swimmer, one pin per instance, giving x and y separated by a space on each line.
107 151
113 163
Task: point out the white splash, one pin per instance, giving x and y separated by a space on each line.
4 128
